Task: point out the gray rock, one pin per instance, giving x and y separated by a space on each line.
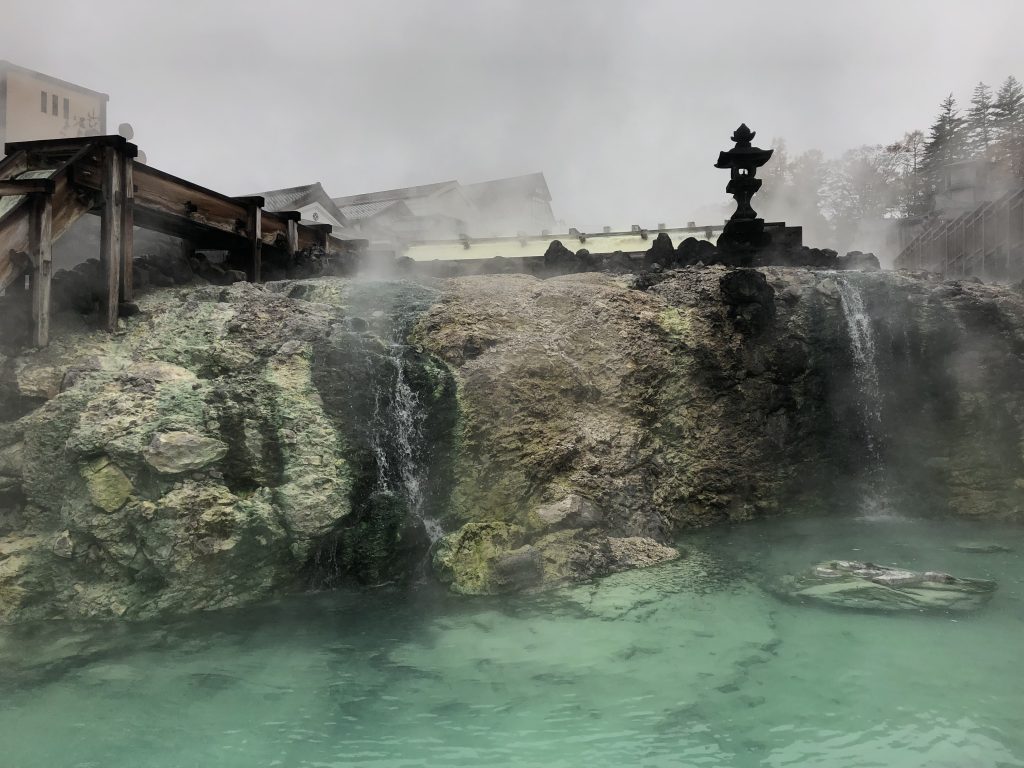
828 287
174 452
12 459
519 569
63 545
574 511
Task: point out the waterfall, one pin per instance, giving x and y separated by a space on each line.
875 503
398 441
865 366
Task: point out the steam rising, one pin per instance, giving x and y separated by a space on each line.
623 105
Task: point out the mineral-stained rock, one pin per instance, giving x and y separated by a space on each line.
490 558
866 586
576 555
38 381
578 423
108 486
465 558
178 451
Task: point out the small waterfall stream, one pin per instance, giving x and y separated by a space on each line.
865 365
398 441
875 502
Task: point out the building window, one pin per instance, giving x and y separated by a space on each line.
43 101
67 108
55 105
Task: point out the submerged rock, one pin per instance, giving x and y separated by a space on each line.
855 585
492 558
980 547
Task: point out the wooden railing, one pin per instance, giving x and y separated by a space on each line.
987 242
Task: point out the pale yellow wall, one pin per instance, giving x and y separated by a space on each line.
628 242
26 121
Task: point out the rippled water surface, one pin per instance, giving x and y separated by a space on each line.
686 664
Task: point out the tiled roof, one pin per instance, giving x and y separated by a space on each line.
292 198
403 193
367 210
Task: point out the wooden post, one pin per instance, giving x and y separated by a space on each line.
254 231
111 232
293 240
41 238
127 229
256 238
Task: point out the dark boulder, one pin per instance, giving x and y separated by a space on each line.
692 251
751 300
559 258
662 251
865 262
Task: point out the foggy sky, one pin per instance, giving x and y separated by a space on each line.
623 105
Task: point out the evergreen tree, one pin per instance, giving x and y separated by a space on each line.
978 125
1008 106
1008 125
945 143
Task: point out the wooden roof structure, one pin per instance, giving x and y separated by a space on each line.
45 186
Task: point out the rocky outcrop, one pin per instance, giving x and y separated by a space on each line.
188 462
230 443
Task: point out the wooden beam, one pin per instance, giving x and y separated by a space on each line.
72 144
13 164
16 228
274 228
127 228
25 186
111 223
42 261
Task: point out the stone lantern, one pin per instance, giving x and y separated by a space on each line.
744 229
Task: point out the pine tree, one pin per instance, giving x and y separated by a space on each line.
1008 125
1008 106
945 143
978 125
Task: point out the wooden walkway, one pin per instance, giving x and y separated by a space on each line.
45 186
986 242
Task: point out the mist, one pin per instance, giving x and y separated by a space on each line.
623 105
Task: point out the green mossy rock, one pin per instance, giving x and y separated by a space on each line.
466 559
492 558
108 486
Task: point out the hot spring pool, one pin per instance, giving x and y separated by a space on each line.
688 664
